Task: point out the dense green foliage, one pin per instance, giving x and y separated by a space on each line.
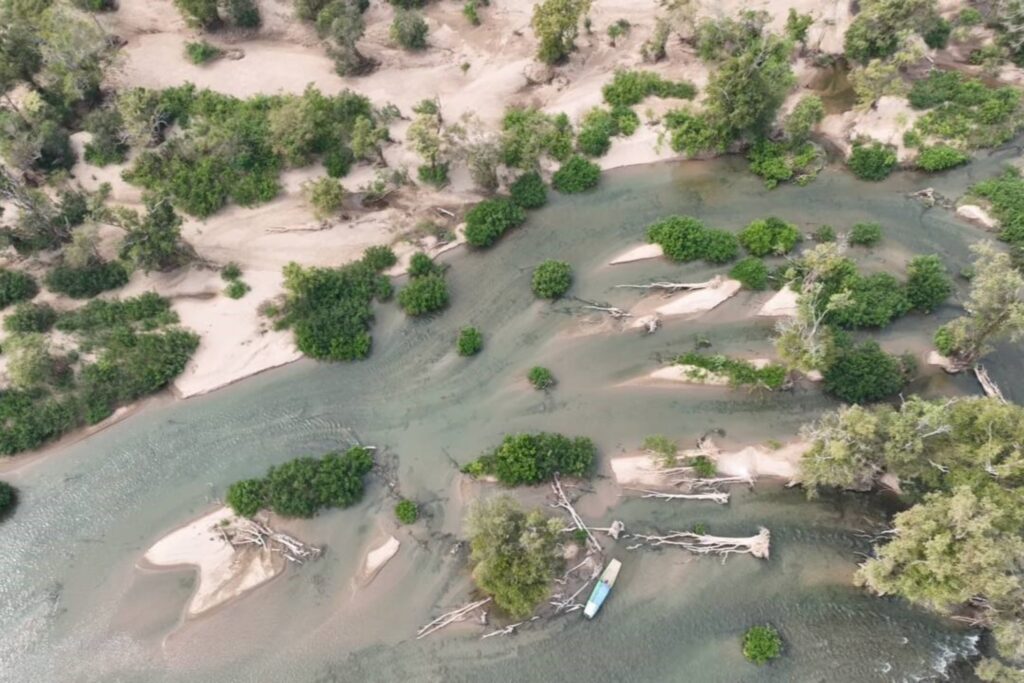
769 237
738 372
576 175
86 281
873 161
1005 194
329 308
628 88
963 113
928 283
556 23
873 301
940 158
420 264
881 27
409 30
8 499
684 238
515 554
541 378
761 644
528 191
30 317
779 162
751 272
16 286
426 294
232 149
529 134
535 458
597 129
325 196
865 234
470 342
551 279
406 512
489 219
202 52
304 486
105 146
864 373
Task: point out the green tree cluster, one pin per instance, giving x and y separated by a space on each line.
470 341
576 175
528 191
769 237
488 221
551 279
528 134
684 238
738 372
526 459
873 161
761 644
304 486
556 25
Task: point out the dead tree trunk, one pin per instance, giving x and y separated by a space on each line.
703 544
719 497
563 503
991 389
449 618
242 531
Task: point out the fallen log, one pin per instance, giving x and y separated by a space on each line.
242 531
719 497
989 386
704 544
676 286
563 503
449 618
508 630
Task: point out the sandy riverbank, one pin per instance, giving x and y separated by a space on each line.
643 469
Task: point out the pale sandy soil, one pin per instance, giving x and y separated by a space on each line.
691 374
782 304
641 253
688 303
377 558
224 573
885 122
643 469
976 214
938 360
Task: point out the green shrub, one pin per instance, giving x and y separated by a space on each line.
424 295
551 279
528 134
738 372
719 246
8 499
541 378
406 512
489 219
325 196
761 644
874 301
936 36
304 486
751 272
872 162
866 234
16 286
470 341
534 458
681 238
236 289
928 283
769 237
633 87
230 271
939 158
420 264
106 146
243 13
379 258
864 373
576 175
825 233
329 308
409 30
147 311
201 52
703 466
28 421
88 281
338 161
469 10
596 132
944 341
30 317
529 191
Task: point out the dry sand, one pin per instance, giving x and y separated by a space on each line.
782 304
643 469
976 214
224 573
641 253
692 374
688 303
377 558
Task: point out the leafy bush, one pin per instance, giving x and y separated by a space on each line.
147 311
534 458
633 87
596 132
528 134
751 272
325 195
106 145
866 234
529 191
470 341
88 281
761 644
541 378
489 219
27 421
738 372
406 512
424 295
338 161
304 486
379 258
201 52
243 13
420 264
940 158
409 30
30 317
551 279
329 308
16 286
778 162
872 162
936 36
769 237
236 289
825 233
719 246
874 301
864 373
945 342
681 238
8 499
576 175
928 283
703 466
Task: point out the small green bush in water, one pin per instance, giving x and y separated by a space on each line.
424 295
541 378
576 175
769 237
738 372
866 234
551 279
940 158
761 644
529 191
406 512
872 162
864 374
470 341
684 238
534 458
928 283
420 264
751 272
489 219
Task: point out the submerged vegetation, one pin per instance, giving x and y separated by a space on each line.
737 372
761 644
535 458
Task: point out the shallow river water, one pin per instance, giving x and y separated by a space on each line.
74 606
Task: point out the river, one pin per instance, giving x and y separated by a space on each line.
74 606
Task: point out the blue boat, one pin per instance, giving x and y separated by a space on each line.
602 589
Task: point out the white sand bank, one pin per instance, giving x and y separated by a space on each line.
224 573
641 253
378 557
689 303
643 469
782 304
976 214
692 374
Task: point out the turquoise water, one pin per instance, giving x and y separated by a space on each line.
74 607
